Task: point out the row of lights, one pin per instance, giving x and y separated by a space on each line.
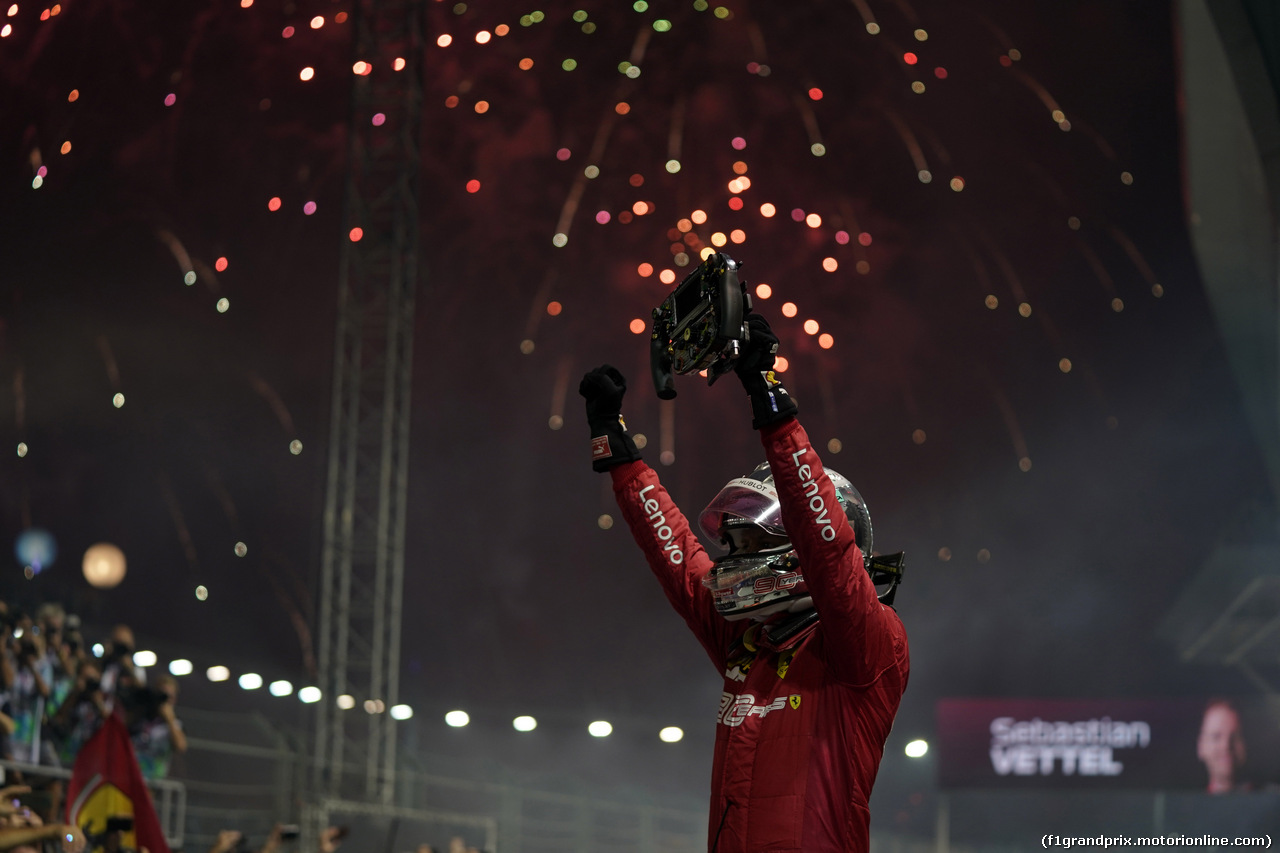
597 728
312 694
254 681
456 719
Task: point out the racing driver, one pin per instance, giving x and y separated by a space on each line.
814 660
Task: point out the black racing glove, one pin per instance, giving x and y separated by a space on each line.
770 402
610 445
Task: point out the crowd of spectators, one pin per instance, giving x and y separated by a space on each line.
55 692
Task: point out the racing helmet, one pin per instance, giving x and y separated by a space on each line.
761 574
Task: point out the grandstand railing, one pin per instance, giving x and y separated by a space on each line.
242 772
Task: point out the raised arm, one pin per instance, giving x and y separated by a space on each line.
867 634
670 546
674 554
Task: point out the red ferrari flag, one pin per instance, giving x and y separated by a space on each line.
108 796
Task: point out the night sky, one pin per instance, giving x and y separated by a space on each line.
1054 478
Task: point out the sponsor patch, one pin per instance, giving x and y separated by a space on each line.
600 448
766 489
817 505
675 556
735 710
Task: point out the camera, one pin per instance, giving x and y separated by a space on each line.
699 325
117 651
145 701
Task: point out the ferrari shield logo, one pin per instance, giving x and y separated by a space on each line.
795 700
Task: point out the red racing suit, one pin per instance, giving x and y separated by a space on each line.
801 729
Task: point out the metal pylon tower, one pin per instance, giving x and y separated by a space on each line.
362 561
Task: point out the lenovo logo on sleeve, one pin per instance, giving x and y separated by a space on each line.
817 505
660 528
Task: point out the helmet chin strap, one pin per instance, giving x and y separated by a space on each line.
789 629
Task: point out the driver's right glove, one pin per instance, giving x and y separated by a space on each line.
603 389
